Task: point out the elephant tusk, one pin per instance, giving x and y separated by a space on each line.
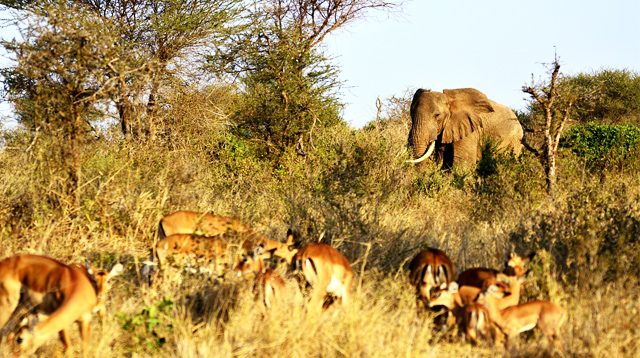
426 155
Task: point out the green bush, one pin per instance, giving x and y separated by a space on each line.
609 95
150 327
602 145
591 233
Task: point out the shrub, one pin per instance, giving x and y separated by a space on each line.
150 327
608 95
602 145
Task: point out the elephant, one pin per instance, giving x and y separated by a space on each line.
456 124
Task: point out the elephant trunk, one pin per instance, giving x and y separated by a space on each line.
420 139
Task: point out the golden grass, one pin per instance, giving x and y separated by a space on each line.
357 193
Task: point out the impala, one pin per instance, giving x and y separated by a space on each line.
482 277
455 296
268 283
203 224
64 293
461 303
323 267
514 320
211 225
428 270
476 323
184 249
455 299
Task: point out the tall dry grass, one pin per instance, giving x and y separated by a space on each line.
355 191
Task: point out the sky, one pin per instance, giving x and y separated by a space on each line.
492 45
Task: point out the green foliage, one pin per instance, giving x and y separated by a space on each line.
487 165
592 233
59 86
602 145
611 96
431 183
608 95
151 326
289 92
290 85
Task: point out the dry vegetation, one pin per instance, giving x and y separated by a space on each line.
356 191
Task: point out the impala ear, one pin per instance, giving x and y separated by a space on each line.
116 270
293 239
88 267
258 250
290 237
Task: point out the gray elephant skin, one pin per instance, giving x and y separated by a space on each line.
456 123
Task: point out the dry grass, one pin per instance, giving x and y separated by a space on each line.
356 192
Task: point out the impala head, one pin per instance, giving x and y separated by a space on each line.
492 292
444 296
518 263
251 263
477 322
100 279
290 248
23 338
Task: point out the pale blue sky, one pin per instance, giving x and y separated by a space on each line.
492 45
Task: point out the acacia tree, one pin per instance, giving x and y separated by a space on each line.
163 37
63 77
608 95
289 85
167 35
556 110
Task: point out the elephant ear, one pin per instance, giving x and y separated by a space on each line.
466 106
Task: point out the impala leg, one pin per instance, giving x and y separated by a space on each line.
64 338
85 331
317 299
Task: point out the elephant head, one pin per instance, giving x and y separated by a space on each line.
448 117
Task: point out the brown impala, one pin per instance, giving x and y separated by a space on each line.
482 277
324 268
514 320
67 294
428 270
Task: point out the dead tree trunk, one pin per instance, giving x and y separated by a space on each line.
546 96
